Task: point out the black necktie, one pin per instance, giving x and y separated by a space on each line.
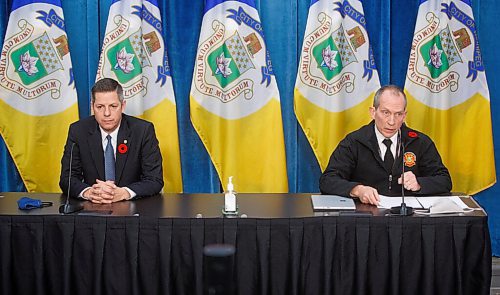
388 158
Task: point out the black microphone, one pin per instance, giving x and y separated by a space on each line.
68 208
402 210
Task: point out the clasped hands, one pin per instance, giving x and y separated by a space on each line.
106 192
369 195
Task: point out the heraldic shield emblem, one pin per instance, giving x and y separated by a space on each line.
231 60
127 58
233 64
35 64
334 54
440 53
442 48
36 60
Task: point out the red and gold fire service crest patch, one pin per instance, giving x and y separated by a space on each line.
410 159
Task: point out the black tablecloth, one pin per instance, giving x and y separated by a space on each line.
314 255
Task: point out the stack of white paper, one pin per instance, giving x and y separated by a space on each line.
417 202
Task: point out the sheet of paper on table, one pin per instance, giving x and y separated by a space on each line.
388 202
428 201
417 202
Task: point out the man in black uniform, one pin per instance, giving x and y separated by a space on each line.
368 162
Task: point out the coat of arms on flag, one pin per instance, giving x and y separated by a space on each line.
235 100
333 54
447 92
30 60
36 60
127 58
134 54
226 60
440 53
337 76
231 60
38 100
125 55
434 51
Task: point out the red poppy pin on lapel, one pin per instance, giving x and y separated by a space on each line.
412 134
122 148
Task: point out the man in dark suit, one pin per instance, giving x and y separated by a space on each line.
369 161
113 156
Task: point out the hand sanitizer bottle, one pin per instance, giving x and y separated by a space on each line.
230 198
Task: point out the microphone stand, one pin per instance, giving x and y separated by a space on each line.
402 210
68 208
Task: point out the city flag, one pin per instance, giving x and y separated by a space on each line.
235 103
38 100
448 94
337 76
134 54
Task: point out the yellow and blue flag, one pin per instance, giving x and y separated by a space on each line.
134 54
38 100
337 76
447 92
235 103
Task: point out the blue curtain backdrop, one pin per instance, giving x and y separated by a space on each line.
390 25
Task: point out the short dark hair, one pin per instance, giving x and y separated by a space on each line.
107 85
393 88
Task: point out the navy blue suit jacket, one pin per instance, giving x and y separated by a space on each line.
139 168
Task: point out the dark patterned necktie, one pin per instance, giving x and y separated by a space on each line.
109 160
388 157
